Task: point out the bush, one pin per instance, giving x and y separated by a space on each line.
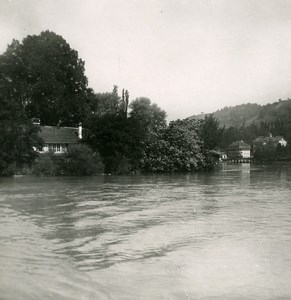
45 165
7 169
79 160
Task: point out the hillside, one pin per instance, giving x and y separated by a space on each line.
247 114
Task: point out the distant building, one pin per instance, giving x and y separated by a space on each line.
273 140
57 138
223 156
239 149
218 155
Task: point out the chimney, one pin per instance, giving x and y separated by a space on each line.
80 131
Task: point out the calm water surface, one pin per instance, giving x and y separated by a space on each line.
220 235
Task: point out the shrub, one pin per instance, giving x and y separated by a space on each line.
45 165
81 160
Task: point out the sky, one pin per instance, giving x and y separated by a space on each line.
188 56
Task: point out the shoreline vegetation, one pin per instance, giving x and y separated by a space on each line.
42 77
35 171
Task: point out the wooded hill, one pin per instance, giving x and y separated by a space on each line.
252 113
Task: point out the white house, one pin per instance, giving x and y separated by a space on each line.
239 149
274 140
57 138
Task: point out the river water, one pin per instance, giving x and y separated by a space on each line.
219 235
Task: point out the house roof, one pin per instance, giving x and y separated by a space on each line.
277 138
274 139
216 152
259 139
241 145
59 135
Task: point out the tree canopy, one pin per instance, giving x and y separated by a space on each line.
43 77
211 132
46 79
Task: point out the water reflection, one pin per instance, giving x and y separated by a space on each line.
216 234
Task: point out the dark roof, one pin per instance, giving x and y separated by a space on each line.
59 135
274 139
216 152
259 139
277 138
240 145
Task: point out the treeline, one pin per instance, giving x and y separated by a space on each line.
251 132
142 141
42 77
268 152
244 115
248 121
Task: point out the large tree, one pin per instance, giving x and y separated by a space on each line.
121 138
18 136
17 139
109 134
40 77
146 114
101 104
146 118
211 132
46 78
177 147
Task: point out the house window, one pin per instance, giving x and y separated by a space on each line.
58 147
50 146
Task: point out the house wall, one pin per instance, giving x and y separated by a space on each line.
223 156
245 153
283 143
56 148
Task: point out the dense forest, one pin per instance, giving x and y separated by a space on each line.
43 77
252 113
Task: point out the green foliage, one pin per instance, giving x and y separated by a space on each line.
211 133
105 103
16 145
270 152
110 136
143 141
266 152
229 136
177 147
185 151
45 165
108 103
42 77
237 116
46 79
153 151
79 160
146 121
17 134
245 115
146 115
118 138
247 122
